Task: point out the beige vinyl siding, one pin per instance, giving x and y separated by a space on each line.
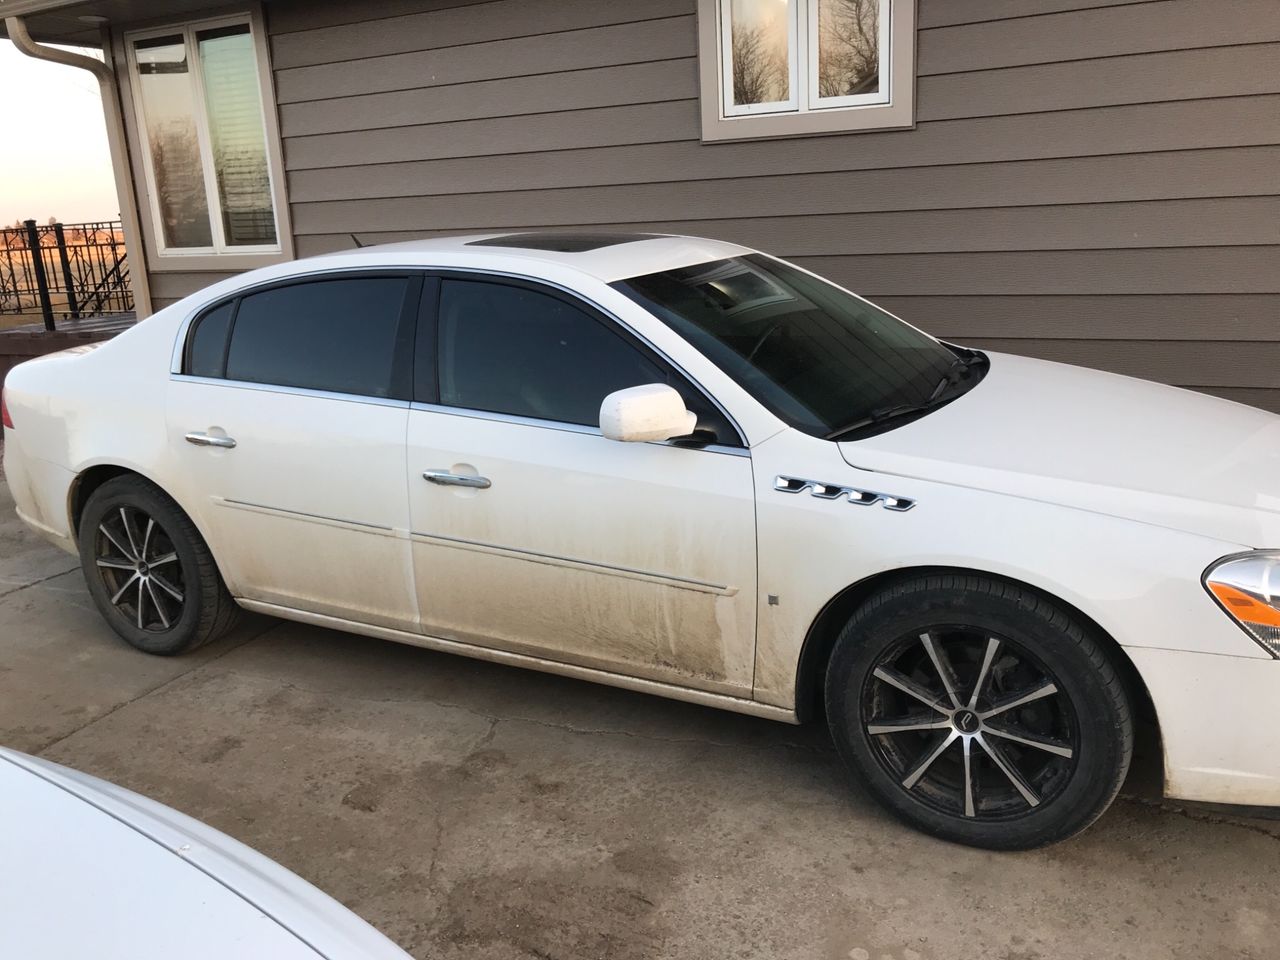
168 286
1097 182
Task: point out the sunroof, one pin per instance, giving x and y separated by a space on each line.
561 242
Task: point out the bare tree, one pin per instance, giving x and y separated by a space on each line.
759 71
848 47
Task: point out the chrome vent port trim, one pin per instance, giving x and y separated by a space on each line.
834 491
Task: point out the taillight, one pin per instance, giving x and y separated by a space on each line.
4 412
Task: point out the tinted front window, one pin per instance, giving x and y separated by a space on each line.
816 356
508 349
336 335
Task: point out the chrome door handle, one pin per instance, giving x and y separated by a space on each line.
445 478
204 440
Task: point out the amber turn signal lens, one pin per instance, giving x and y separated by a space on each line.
1244 607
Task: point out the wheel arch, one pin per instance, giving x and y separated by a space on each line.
821 637
93 476
83 486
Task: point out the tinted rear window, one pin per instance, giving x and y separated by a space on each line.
335 335
208 344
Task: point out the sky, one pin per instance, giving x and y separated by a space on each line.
53 150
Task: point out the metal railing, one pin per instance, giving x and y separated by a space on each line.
65 271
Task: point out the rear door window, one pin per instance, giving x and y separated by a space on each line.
347 335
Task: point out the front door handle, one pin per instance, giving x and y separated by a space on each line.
206 440
447 479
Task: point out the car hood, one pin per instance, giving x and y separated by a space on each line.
88 869
1101 442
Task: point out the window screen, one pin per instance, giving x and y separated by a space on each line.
336 335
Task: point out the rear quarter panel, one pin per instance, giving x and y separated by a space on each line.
76 410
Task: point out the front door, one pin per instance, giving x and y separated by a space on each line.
289 437
533 533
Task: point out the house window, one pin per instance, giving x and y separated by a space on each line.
796 67
199 102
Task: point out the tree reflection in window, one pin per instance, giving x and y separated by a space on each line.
761 72
169 104
848 47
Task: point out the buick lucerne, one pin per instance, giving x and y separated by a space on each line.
685 467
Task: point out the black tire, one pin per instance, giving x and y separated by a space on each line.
1076 731
161 591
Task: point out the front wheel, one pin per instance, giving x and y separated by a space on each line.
979 712
149 571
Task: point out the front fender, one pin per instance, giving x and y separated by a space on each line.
1139 582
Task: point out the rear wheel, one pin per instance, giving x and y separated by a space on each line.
979 712
149 571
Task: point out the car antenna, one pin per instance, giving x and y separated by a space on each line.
356 241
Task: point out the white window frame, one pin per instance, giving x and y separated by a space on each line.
806 113
810 57
726 60
220 248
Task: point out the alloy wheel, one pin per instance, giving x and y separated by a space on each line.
970 724
141 570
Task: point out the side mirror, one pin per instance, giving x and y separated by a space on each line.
653 411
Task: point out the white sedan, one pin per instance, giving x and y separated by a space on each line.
685 467
88 869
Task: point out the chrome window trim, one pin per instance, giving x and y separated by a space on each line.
290 391
184 328
562 427
180 340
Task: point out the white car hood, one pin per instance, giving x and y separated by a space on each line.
88 869
1100 442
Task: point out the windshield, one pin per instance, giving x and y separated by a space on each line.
819 358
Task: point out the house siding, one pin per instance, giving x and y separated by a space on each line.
1097 183
170 286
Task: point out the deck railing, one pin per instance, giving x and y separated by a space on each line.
64 271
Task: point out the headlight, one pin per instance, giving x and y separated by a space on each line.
1248 588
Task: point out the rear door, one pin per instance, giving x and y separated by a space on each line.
287 425
534 534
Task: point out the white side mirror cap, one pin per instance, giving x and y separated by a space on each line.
653 411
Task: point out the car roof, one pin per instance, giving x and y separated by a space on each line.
605 255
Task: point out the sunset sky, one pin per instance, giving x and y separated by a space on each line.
54 161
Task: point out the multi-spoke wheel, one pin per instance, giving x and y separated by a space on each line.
148 570
137 560
979 712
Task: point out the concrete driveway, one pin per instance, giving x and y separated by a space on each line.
472 810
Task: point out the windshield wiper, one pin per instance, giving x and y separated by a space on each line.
957 369
880 415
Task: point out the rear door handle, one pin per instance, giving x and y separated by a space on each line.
447 479
205 440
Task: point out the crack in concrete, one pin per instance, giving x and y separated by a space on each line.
36 583
1197 816
266 628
